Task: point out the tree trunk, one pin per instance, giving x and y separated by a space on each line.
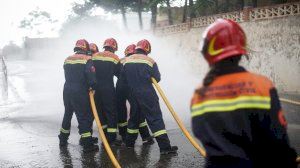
191 9
153 15
248 3
254 3
123 11
169 12
217 6
184 12
140 14
241 4
227 5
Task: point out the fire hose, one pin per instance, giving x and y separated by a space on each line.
179 122
290 101
101 132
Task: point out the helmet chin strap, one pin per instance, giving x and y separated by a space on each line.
110 49
140 51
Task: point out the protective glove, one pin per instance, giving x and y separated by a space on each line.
91 90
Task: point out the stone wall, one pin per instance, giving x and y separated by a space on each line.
274 47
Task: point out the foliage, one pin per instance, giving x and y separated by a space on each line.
11 49
112 5
36 18
37 21
203 7
83 9
194 8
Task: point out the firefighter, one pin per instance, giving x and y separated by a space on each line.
237 114
93 48
122 94
106 64
138 70
80 77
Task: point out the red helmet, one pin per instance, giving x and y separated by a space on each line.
94 48
223 39
111 42
144 45
81 44
130 50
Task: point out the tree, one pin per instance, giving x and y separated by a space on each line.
169 12
250 3
216 2
83 9
241 4
11 49
227 4
191 9
35 20
123 11
203 6
139 10
184 11
279 1
152 4
114 6
254 3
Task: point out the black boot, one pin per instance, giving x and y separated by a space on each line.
112 139
94 139
148 141
63 139
171 150
114 143
129 144
122 132
88 145
130 139
164 145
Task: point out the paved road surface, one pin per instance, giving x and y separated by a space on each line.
30 120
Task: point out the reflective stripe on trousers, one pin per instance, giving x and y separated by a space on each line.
160 132
85 135
64 131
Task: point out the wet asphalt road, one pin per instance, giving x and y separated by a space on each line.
30 123
25 143
31 119
33 142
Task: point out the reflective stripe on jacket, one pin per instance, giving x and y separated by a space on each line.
106 64
138 70
79 72
239 115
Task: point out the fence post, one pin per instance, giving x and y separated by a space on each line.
3 79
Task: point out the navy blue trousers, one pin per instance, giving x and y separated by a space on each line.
105 99
145 105
77 101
